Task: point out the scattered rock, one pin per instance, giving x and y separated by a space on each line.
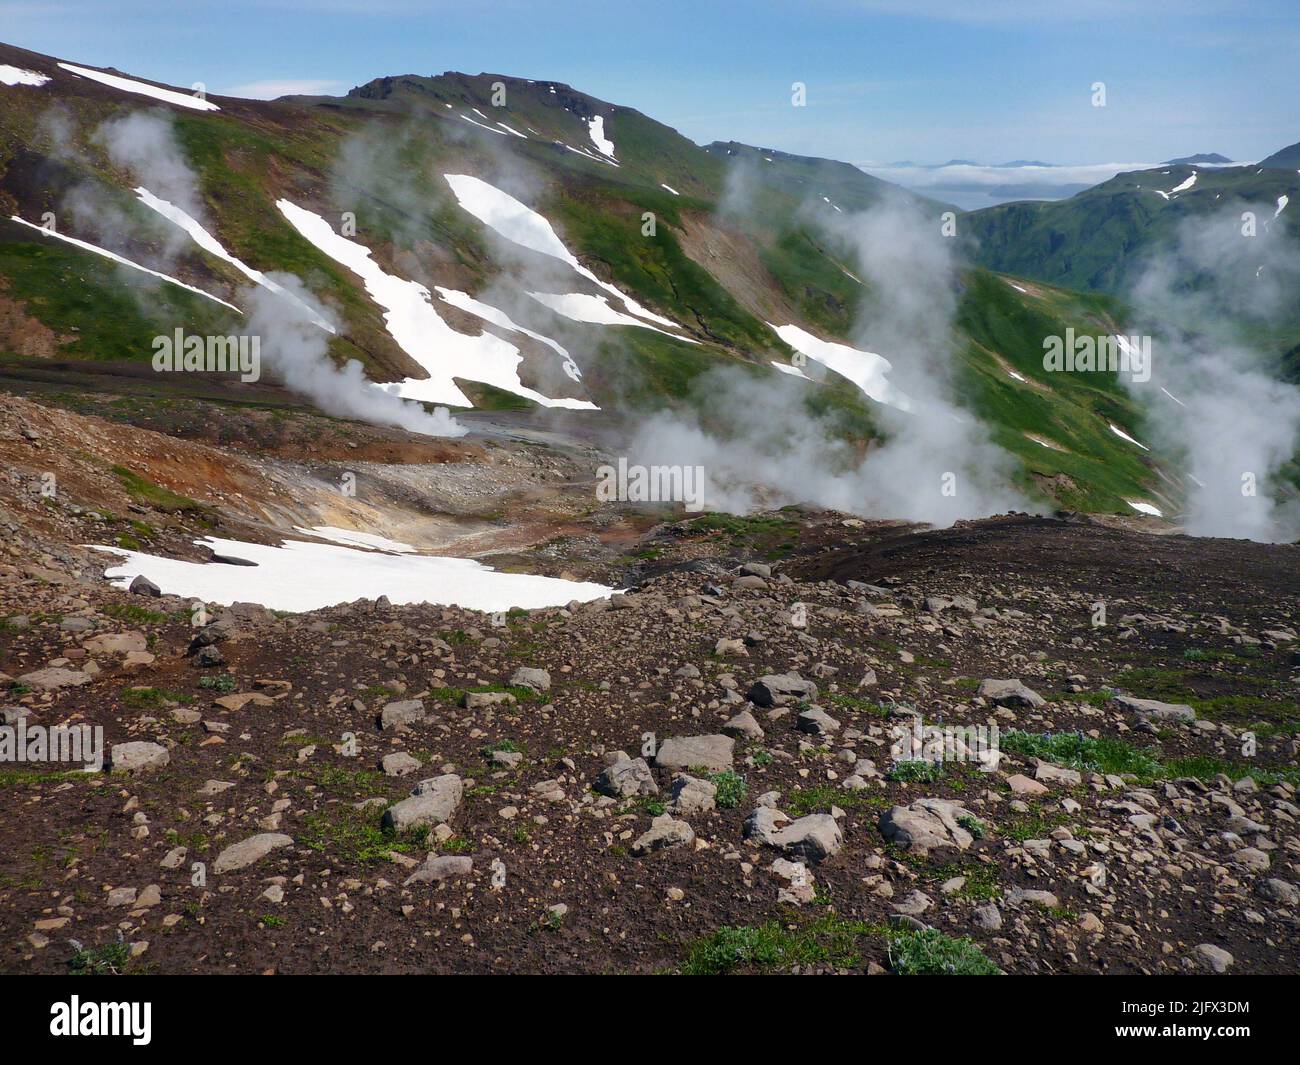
1211 958
1153 708
782 687
710 753
691 795
664 833
431 802
254 849
627 778
926 825
138 756
439 867
1010 693
400 764
527 677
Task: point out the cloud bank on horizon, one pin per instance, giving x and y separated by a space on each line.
972 185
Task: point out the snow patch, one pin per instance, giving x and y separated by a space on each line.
205 240
18 76
1184 186
465 302
588 154
596 128
669 188
865 369
1145 508
520 224
475 122
87 246
793 371
167 96
1124 436
595 310
298 576
415 326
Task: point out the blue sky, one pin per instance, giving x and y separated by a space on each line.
925 80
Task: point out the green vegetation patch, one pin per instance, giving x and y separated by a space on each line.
145 491
931 953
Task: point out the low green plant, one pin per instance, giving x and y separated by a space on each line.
931 953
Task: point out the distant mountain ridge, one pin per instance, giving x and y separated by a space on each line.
1204 158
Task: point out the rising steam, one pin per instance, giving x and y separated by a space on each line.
935 465
1214 401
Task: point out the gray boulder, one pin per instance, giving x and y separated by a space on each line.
439 867
138 756
712 753
527 677
627 778
1010 693
1154 708
405 712
664 833
926 825
254 849
431 802
691 795
781 687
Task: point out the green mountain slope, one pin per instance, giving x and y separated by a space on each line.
1287 158
718 241
1103 239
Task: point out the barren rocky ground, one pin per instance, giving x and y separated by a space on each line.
697 775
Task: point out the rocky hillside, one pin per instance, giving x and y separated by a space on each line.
701 775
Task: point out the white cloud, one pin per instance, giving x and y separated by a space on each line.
982 186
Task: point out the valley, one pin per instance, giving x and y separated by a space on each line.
389 654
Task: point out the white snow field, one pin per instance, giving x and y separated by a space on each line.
865 369
298 576
465 302
595 310
416 327
167 96
596 127
18 76
1183 187
1145 508
87 246
205 240
521 225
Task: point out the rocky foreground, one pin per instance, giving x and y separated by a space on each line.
699 775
